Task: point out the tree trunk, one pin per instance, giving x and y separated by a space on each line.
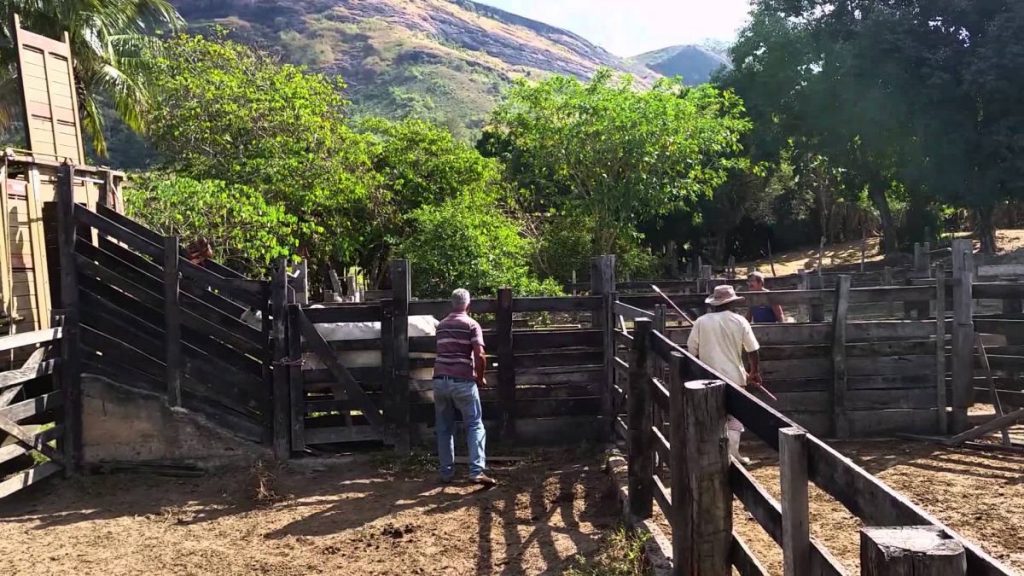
889 243
985 229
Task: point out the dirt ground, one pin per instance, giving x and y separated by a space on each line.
344 516
979 494
1010 242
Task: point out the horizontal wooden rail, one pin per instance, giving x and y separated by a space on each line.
30 338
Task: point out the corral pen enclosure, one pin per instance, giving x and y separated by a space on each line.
160 365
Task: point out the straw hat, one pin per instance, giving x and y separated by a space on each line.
723 295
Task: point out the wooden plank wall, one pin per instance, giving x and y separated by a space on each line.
884 379
123 293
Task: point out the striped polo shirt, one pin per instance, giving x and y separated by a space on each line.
456 335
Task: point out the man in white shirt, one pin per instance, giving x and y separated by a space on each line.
719 340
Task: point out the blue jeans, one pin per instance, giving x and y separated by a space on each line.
451 394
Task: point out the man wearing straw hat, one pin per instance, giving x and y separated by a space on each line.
719 340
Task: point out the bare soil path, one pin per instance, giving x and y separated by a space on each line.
348 516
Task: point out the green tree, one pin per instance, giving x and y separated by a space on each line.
467 242
613 154
228 112
245 231
419 164
111 41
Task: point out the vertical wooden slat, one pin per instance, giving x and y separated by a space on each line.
602 283
70 370
280 394
74 99
172 321
639 425
796 536
657 368
963 333
6 270
702 494
295 379
401 283
940 347
38 250
506 365
677 517
387 366
839 373
817 303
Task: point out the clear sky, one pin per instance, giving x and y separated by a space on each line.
630 27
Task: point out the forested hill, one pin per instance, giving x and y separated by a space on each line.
694 63
444 60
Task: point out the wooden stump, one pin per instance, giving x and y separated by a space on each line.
910 551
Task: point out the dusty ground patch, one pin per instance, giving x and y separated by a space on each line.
343 517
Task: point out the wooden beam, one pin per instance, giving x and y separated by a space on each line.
28 478
506 366
280 395
940 348
296 385
71 370
640 422
997 423
963 332
839 368
172 322
401 286
702 495
796 536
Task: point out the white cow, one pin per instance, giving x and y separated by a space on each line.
418 326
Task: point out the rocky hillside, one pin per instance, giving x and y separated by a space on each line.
694 63
447 60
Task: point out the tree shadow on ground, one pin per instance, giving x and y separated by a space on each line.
546 509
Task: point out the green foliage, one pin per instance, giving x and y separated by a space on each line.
621 555
244 230
610 152
419 164
108 40
468 242
227 112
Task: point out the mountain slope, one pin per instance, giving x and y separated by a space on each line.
694 63
445 60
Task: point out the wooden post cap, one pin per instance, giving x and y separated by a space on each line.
910 550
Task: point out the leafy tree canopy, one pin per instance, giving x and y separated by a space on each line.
227 112
248 233
606 150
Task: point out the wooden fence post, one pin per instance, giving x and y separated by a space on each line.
280 395
940 347
909 550
602 283
70 370
887 281
839 372
796 536
172 321
640 421
401 286
389 399
701 497
296 382
506 366
963 333
816 282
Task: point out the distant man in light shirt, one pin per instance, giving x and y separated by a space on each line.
458 373
720 339
763 314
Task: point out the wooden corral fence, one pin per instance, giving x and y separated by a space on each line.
542 381
146 317
696 481
38 410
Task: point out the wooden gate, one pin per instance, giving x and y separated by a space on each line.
38 411
332 403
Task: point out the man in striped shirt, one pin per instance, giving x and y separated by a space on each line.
458 372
